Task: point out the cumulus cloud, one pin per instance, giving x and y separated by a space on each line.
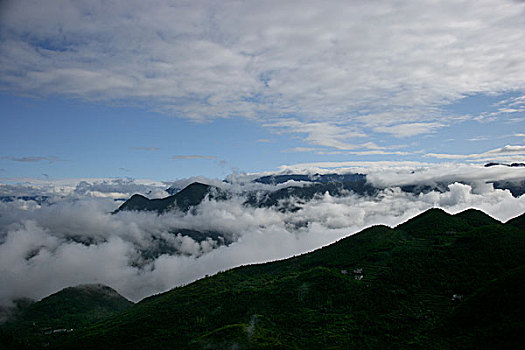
348 65
76 239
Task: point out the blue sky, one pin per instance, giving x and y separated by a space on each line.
177 89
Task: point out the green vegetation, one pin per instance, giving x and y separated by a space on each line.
438 281
63 312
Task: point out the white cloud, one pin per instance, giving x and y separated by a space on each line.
478 138
409 129
322 134
339 166
347 65
506 153
376 152
88 187
475 175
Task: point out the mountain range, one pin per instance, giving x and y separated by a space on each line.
297 186
292 192
437 281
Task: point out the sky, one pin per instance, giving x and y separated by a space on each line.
165 90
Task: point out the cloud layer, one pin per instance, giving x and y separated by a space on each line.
74 239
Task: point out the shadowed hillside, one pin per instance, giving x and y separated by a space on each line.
66 311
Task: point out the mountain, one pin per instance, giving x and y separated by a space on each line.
518 221
173 190
437 281
38 199
65 311
183 200
319 178
319 184
513 165
305 193
312 185
192 195
475 217
516 187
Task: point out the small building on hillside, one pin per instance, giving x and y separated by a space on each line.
358 274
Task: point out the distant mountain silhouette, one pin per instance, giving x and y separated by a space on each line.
183 200
509 165
321 178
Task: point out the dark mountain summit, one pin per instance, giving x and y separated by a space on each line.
183 200
437 281
476 217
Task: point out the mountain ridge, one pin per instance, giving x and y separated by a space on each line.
183 200
317 184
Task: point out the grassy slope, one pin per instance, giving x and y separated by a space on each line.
403 301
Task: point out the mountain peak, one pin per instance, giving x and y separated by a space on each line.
434 220
190 196
476 217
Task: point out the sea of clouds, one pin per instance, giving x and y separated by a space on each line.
72 237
